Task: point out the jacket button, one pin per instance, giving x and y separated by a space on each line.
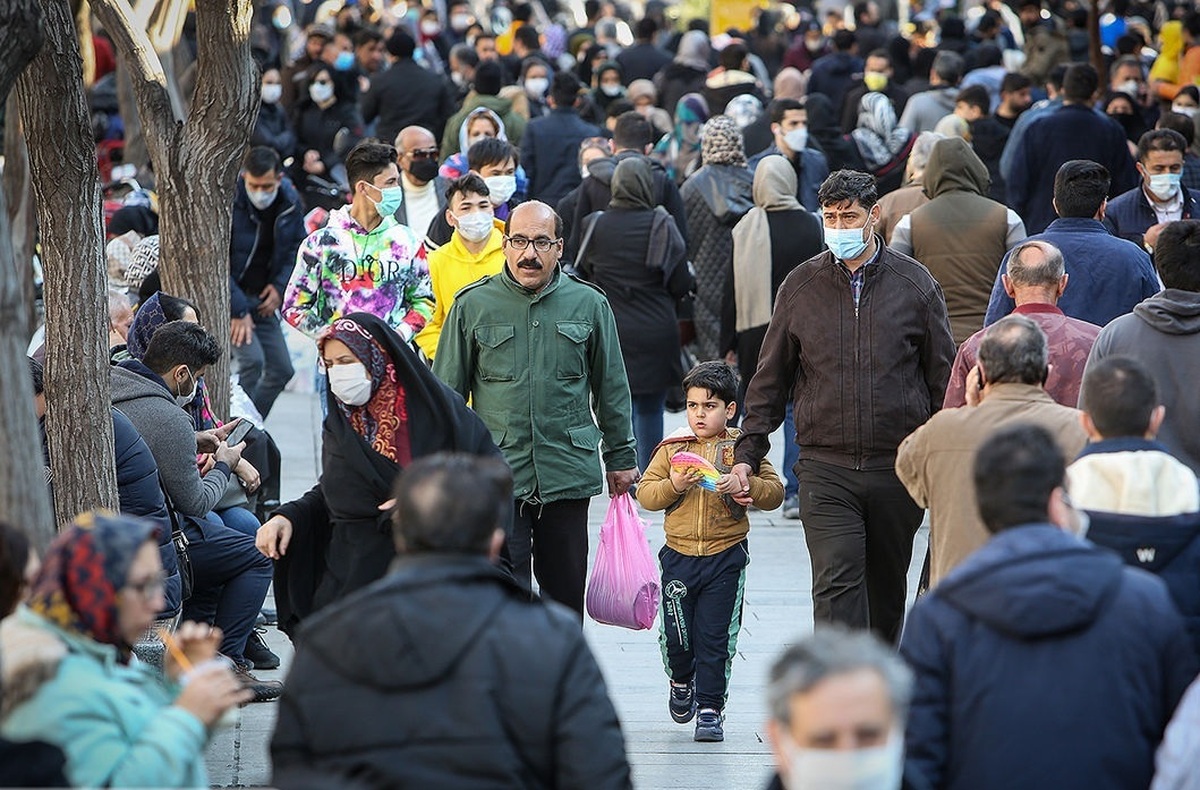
535 323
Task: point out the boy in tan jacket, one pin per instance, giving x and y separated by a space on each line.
704 561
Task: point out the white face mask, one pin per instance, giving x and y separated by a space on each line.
796 139
458 79
877 768
183 400
320 92
612 91
260 200
537 86
350 383
1130 87
1182 110
271 93
476 226
501 188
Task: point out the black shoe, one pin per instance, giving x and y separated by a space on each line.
257 652
708 726
682 701
264 690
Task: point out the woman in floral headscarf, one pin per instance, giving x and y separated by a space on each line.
680 151
882 143
386 408
716 197
68 675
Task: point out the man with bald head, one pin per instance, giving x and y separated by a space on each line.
424 190
536 352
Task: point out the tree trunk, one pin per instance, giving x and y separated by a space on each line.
195 161
23 499
18 195
66 186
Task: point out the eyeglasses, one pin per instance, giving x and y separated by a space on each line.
148 589
521 243
424 153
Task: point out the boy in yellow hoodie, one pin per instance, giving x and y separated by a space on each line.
704 561
475 251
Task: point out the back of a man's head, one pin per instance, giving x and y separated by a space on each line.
432 514
1177 255
1036 264
1014 351
1080 83
948 67
1180 123
564 90
1016 471
844 40
733 57
1119 396
1080 188
632 132
181 343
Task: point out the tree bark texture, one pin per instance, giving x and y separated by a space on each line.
24 502
18 195
66 188
196 160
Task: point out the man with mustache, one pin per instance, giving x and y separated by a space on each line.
536 352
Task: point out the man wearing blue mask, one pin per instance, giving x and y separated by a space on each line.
860 342
789 127
1141 213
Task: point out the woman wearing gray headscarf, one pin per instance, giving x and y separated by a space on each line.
715 198
636 254
686 74
882 143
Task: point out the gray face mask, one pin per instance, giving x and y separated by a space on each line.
183 400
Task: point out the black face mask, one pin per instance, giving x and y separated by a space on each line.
423 170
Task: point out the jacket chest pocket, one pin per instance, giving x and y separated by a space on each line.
572 337
497 352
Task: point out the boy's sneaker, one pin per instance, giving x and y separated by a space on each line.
791 508
683 701
257 652
708 726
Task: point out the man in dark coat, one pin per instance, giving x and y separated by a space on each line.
445 673
834 74
550 145
1041 661
643 60
1140 214
878 76
407 94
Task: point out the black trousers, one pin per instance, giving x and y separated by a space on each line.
554 536
859 526
702 615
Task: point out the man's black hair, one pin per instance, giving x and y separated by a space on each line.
1015 472
1119 394
1057 76
975 96
489 78
401 44
1014 81
1191 23
1014 351
645 29
564 89
883 54
844 40
988 55
173 307
1177 255
490 151
778 108
716 378
618 107
1080 186
469 183
733 57
1080 82
367 35
432 515
261 160
1160 140
367 160
181 343
632 131
38 374
1178 122
522 12
465 54
849 185
528 36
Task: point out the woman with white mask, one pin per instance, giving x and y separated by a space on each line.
273 129
386 408
328 124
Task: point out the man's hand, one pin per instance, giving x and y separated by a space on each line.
230 456
207 462
619 482
269 301
739 483
312 163
974 391
273 537
1150 237
207 441
249 476
241 330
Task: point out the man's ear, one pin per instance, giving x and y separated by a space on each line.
1008 286
496 545
1089 427
1062 285
1156 420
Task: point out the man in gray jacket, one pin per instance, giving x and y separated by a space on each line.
230 575
926 108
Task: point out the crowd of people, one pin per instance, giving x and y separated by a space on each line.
956 263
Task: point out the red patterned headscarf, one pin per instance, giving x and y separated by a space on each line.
85 566
383 420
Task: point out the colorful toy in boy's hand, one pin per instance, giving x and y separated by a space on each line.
686 463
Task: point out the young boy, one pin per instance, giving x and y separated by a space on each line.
704 561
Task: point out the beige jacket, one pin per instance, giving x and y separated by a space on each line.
936 463
698 522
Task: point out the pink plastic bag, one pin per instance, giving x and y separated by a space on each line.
623 589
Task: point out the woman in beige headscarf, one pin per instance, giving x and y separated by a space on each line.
774 237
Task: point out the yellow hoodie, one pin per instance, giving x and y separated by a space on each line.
451 268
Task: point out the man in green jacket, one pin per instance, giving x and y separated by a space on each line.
536 352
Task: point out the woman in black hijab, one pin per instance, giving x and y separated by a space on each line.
824 126
386 408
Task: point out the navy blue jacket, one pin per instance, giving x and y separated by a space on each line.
1130 214
1073 131
141 495
813 171
1042 662
833 75
550 153
1108 276
244 232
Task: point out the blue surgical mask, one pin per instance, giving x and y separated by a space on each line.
344 61
1165 186
390 200
847 243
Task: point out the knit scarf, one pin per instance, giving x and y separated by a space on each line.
774 190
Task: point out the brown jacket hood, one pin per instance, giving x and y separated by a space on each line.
954 167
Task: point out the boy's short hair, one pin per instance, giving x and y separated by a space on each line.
368 159
469 183
490 151
974 96
716 378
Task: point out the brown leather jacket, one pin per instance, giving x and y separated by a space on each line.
860 378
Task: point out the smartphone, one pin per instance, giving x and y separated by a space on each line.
239 433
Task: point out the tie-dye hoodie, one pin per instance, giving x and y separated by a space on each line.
343 268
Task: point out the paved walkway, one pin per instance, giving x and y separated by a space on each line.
778 609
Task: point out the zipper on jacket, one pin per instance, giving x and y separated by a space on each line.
858 453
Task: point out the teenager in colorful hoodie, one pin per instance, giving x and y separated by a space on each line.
363 260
